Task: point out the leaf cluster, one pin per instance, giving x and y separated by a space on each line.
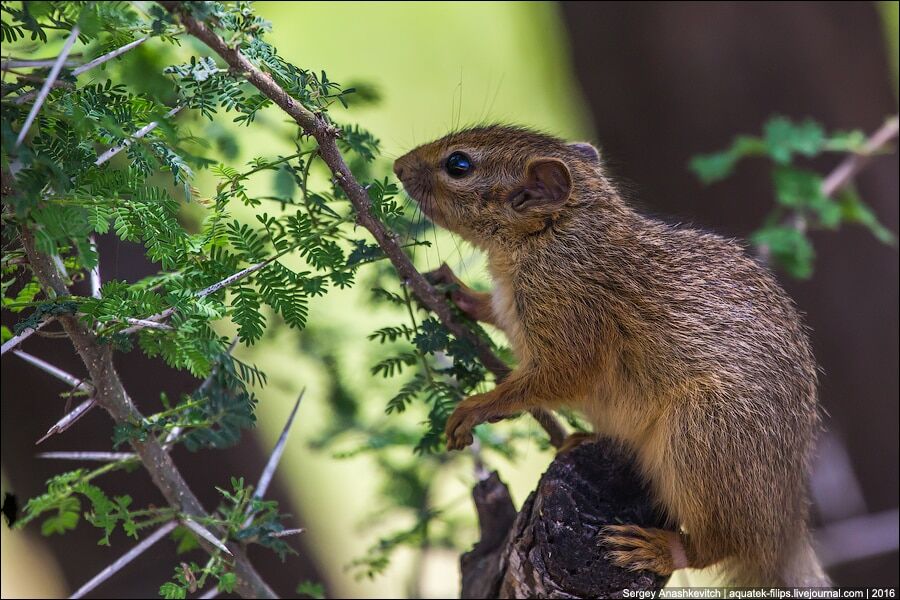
801 205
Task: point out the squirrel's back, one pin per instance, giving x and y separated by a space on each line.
700 361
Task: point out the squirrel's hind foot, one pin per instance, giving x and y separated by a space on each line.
643 549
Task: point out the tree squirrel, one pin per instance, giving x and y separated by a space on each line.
669 339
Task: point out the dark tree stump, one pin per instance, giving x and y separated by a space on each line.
550 549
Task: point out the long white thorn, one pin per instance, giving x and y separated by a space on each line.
26 333
108 56
48 84
88 455
269 472
147 323
69 419
206 534
43 365
96 283
126 558
135 136
287 532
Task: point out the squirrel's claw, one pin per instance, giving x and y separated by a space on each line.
467 415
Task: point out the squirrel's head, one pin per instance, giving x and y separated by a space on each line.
499 183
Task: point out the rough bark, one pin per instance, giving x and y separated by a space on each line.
550 549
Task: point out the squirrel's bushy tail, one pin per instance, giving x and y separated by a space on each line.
802 567
796 566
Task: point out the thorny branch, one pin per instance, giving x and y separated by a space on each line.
110 394
326 134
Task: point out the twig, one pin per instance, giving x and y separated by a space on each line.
853 164
116 456
75 382
325 134
29 96
108 56
176 431
48 84
266 478
841 175
137 135
18 339
160 316
126 558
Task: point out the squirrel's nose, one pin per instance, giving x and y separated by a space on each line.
404 165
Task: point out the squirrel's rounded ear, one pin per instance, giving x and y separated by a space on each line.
587 151
548 184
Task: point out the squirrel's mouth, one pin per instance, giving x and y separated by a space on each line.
420 191
431 209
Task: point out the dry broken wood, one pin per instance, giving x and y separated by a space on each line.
550 548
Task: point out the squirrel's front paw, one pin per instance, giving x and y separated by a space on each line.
441 276
467 415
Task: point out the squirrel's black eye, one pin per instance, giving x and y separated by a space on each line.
458 165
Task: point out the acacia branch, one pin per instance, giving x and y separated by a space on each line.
110 394
33 63
325 134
